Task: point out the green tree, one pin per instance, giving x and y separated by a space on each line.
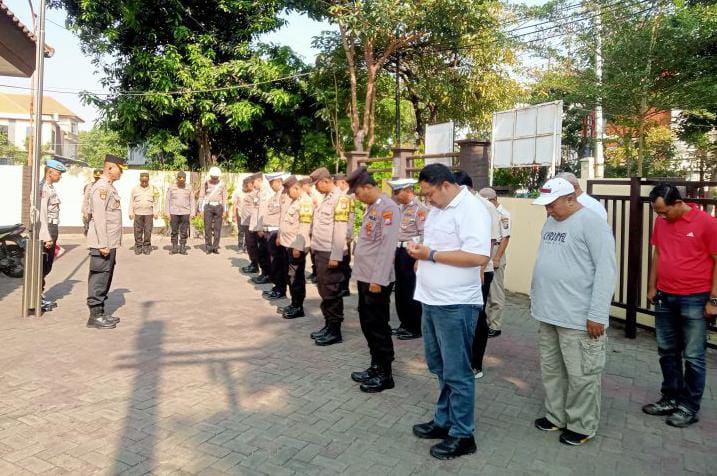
96 143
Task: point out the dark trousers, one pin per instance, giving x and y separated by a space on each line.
241 240
481 334
346 267
102 269
252 248
213 215
681 332
374 311
179 225
279 264
297 278
408 309
143 231
329 286
48 255
313 263
262 247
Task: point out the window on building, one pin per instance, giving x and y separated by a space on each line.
4 134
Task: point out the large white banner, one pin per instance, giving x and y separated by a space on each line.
440 140
527 136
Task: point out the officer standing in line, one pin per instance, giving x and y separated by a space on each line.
103 238
181 208
413 217
328 242
237 205
256 225
496 296
374 272
96 174
309 194
271 219
143 209
294 241
247 205
213 199
340 181
49 221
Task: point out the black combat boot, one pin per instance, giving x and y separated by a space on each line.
147 249
331 336
182 249
320 333
98 320
174 250
383 380
293 313
366 375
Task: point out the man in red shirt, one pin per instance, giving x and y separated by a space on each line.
683 288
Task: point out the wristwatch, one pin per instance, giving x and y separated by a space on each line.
713 300
431 255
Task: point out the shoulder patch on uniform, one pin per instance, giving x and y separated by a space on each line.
387 217
421 215
103 194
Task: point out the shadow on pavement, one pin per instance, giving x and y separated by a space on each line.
116 299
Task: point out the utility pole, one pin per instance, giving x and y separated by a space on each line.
32 282
599 133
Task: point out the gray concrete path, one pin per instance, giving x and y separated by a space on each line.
203 377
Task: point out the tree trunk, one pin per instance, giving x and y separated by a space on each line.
205 156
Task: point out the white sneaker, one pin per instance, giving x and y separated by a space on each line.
477 374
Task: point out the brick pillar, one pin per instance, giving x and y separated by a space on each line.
474 159
400 159
352 159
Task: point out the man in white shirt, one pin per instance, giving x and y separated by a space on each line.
448 284
583 198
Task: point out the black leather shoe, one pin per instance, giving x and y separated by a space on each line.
398 330
315 335
383 380
366 375
250 269
283 309
101 322
453 447
182 249
208 251
408 335
293 313
147 250
430 431
174 250
344 293
137 251
260 279
274 295
331 336
267 292
493 333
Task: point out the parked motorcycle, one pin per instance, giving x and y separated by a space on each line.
12 250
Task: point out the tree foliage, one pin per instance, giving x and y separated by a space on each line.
96 143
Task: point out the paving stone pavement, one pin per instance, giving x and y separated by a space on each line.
203 377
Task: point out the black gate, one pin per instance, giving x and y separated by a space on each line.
632 218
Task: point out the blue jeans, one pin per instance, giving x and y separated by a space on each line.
682 333
448 333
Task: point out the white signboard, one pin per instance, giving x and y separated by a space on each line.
527 136
439 140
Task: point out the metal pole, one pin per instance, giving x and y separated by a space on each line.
32 283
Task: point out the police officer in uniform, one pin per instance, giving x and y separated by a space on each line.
307 188
374 273
96 174
256 227
294 241
271 216
413 217
213 197
103 238
328 242
250 210
143 209
340 181
181 208
49 221
243 218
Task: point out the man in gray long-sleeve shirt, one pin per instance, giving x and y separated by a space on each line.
573 283
181 207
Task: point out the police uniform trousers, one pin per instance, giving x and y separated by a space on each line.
102 269
143 231
329 285
179 225
346 266
262 252
296 276
48 255
374 311
481 336
408 309
279 265
213 215
249 244
241 241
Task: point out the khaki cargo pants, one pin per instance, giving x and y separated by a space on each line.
496 296
571 363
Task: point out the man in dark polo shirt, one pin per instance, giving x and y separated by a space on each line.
683 288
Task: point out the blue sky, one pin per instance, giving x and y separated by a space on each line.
70 69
